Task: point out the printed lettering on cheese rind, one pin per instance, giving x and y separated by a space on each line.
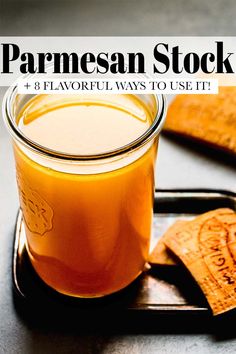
187 244
218 299
230 221
213 244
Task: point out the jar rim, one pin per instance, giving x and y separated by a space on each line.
17 134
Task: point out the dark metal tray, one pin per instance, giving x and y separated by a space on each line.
160 291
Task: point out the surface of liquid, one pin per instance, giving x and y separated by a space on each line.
87 234
84 126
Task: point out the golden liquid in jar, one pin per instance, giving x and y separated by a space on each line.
87 233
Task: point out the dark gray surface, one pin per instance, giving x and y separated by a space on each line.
117 17
178 165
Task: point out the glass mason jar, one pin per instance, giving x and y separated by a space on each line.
87 217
